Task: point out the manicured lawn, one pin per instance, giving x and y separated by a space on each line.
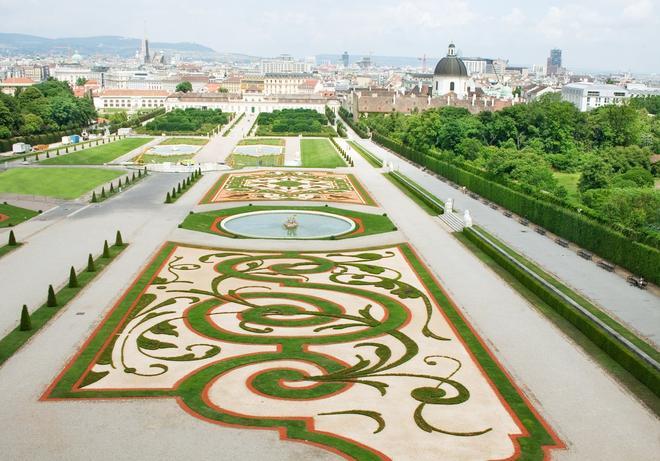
98 155
186 141
16 215
64 183
372 223
319 153
570 182
261 141
240 160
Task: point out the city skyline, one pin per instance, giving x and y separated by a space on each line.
592 34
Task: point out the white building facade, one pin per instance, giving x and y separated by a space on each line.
587 96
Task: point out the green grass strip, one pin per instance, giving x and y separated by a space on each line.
640 390
15 339
639 368
16 215
368 156
419 198
98 155
8 248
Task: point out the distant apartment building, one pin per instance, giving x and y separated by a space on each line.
284 64
476 66
587 96
553 66
232 85
290 84
38 73
344 59
130 100
12 84
71 72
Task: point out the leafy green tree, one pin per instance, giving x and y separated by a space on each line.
184 87
596 174
614 125
635 177
80 81
32 124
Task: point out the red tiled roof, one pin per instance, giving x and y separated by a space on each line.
18 81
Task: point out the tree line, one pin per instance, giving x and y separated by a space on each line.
42 108
608 150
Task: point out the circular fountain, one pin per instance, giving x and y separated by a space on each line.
287 224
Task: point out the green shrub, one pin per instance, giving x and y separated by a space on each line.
90 264
73 278
106 250
52 300
12 239
118 240
26 322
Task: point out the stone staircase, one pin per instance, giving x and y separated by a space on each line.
454 221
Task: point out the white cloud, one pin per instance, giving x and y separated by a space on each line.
515 18
429 14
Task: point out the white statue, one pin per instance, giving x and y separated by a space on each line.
449 205
467 218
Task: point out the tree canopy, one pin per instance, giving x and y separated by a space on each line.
46 106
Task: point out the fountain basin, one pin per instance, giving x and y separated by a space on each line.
270 224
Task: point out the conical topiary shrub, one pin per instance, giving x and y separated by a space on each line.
94 199
52 300
12 239
168 198
103 192
26 322
112 188
178 188
90 264
106 250
73 278
118 240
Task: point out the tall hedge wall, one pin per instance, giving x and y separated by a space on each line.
636 257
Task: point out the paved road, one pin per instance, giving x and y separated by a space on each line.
638 309
65 237
219 147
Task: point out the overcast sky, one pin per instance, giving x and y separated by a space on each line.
594 34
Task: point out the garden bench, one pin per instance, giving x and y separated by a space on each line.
473 195
561 242
507 214
523 221
493 206
605 265
540 231
585 254
638 282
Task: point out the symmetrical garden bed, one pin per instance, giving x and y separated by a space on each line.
359 352
288 185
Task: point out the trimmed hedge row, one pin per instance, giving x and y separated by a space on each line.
348 118
640 369
46 138
591 235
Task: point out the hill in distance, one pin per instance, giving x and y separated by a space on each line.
13 44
